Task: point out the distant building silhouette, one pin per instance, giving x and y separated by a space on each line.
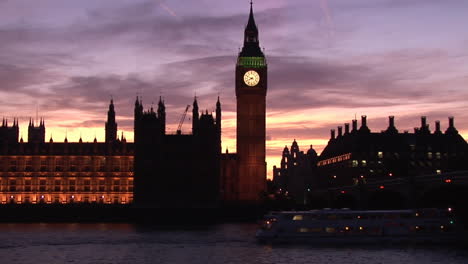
356 156
359 154
177 170
297 172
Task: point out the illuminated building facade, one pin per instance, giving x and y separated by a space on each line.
358 154
48 172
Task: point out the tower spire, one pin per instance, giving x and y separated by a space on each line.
195 116
251 42
251 22
218 115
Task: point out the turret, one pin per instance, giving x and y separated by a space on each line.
285 157
294 149
346 126
218 116
354 125
424 129
138 112
162 115
391 126
451 130
36 134
195 116
111 125
437 128
364 127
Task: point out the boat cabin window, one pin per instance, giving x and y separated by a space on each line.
298 218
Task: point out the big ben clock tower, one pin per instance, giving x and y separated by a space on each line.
251 89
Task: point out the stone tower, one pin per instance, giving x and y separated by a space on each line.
251 89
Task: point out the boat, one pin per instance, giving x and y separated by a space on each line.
360 226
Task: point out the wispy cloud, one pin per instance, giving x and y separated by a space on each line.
328 60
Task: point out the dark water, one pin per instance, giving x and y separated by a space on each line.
227 243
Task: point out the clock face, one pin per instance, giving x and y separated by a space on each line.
251 78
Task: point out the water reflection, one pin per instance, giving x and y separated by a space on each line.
226 243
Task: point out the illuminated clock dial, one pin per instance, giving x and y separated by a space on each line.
251 78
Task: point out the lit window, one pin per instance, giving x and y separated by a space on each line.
297 218
429 155
438 171
380 154
355 163
437 155
364 163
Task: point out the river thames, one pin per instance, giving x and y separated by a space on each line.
224 243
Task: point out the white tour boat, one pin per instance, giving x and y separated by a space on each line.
350 226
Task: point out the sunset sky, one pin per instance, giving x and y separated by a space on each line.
329 61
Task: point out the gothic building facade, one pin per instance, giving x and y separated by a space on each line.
175 170
189 170
37 171
159 169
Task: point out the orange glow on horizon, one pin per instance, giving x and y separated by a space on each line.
278 126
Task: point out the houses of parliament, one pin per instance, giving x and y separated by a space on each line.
157 169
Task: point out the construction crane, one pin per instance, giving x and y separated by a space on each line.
182 119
